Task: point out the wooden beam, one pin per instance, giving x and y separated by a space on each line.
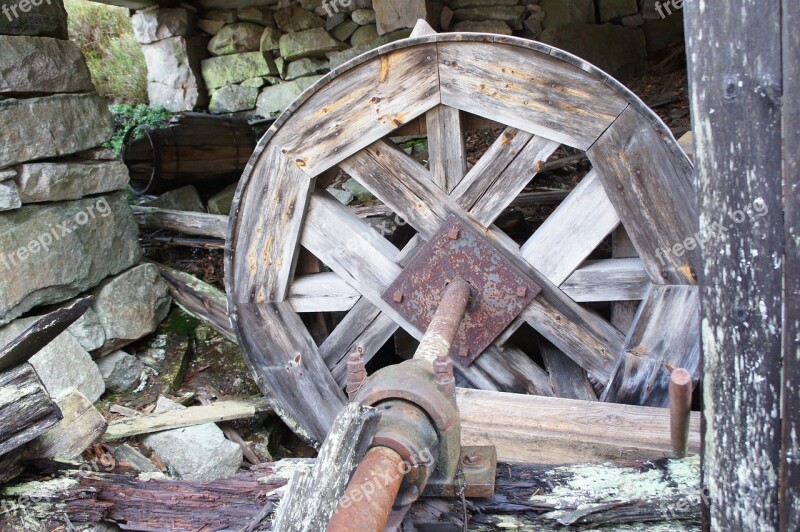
26 409
608 280
447 153
188 223
82 426
322 292
528 428
738 135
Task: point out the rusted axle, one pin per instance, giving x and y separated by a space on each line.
444 326
680 409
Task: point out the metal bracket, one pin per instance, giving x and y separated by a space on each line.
500 290
479 469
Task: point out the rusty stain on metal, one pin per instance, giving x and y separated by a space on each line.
496 287
453 234
522 291
446 321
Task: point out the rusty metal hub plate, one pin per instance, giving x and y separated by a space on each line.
500 290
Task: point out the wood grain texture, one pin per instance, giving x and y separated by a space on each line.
322 292
287 366
567 378
572 231
623 312
447 158
26 409
507 369
527 428
735 77
608 280
82 426
653 196
527 90
363 105
188 223
665 336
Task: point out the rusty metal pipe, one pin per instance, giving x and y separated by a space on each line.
444 326
680 409
368 499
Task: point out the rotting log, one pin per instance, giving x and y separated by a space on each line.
527 497
26 409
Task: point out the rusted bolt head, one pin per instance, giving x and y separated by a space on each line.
398 297
471 459
454 234
464 352
522 291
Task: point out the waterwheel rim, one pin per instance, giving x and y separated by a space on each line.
640 179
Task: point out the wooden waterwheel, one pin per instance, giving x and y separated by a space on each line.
640 181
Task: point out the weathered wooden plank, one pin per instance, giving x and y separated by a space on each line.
572 232
419 126
26 409
267 231
313 496
665 336
363 105
188 223
81 426
528 90
528 428
447 153
735 73
623 312
507 369
288 368
608 280
322 292
188 417
653 196
568 379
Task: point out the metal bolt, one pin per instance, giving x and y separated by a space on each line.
464 352
471 459
356 372
454 234
522 291
398 297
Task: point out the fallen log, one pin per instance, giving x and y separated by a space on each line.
26 409
188 223
527 497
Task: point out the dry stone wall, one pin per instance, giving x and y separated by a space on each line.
259 55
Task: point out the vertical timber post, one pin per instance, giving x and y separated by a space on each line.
735 73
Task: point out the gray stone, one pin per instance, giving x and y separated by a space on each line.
334 20
270 39
220 203
461 4
237 38
51 126
633 21
9 196
280 64
533 26
446 18
63 365
173 73
256 14
293 19
358 191
391 15
88 331
181 199
345 197
511 15
52 252
483 26
558 12
48 19
230 69
159 24
211 27
39 182
275 99
362 17
365 37
664 33
34 65
98 154
306 67
337 59
613 9
344 30
309 43
232 99
617 50
228 16
253 82
194 453
131 305
120 371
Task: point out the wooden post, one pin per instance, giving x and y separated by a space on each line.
734 54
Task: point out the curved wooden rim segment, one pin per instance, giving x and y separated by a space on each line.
547 98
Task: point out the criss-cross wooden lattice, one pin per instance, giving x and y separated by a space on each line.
639 179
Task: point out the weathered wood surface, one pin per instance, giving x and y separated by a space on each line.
447 152
81 426
188 223
312 496
641 495
735 90
528 428
194 415
665 336
493 80
568 379
653 195
623 312
322 292
608 280
26 409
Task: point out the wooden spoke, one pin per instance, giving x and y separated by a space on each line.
666 335
653 196
287 366
623 312
568 379
447 153
322 292
608 280
533 92
572 232
508 370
